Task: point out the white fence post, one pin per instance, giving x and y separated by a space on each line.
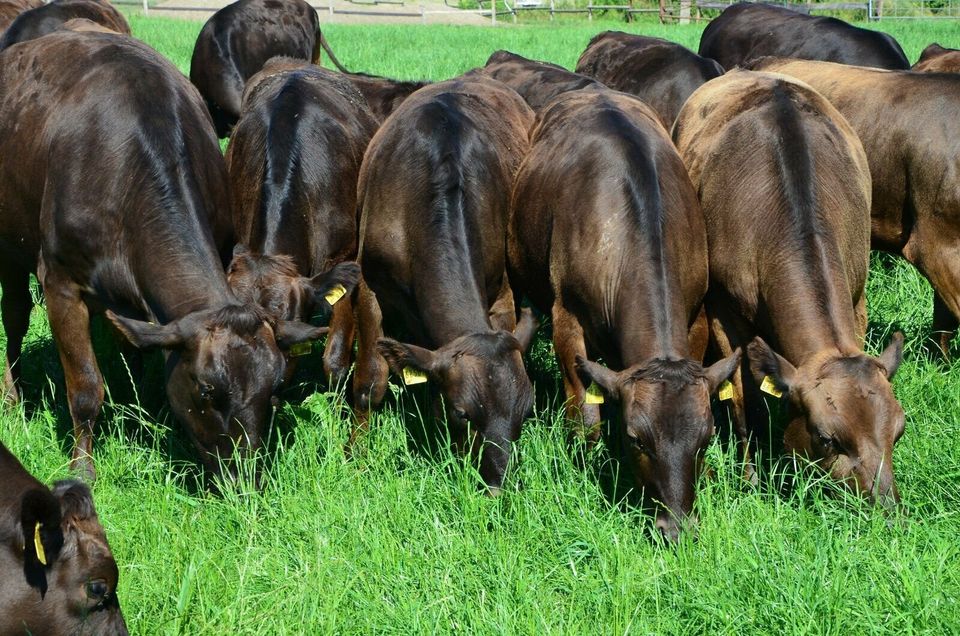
146 7
493 12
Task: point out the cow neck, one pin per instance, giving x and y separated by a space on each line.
452 304
810 316
650 321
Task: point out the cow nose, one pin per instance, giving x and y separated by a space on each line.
668 527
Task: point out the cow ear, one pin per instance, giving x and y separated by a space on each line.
76 501
718 372
147 335
591 372
335 283
526 328
40 521
400 356
892 356
293 332
766 363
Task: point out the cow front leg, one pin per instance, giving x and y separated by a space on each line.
503 312
370 375
568 343
15 304
339 347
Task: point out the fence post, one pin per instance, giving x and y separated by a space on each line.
146 7
551 10
493 12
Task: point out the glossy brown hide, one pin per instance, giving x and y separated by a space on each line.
660 72
238 40
903 120
785 191
75 592
37 22
10 9
606 234
384 95
937 59
747 31
128 218
434 195
293 162
538 83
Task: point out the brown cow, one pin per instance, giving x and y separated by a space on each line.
660 72
384 95
785 190
611 241
10 9
48 18
57 574
536 82
238 40
131 217
293 162
434 196
937 59
900 118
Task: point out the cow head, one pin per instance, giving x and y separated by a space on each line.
223 367
59 574
844 415
274 283
484 385
667 424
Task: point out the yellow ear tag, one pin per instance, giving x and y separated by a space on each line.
38 545
335 294
301 349
594 394
767 386
413 376
726 390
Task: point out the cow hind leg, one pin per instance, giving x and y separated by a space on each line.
339 347
568 343
70 324
15 306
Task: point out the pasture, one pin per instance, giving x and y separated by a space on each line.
400 540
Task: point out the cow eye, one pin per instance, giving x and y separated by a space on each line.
97 590
829 443
638 445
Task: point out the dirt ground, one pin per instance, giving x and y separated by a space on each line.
344 12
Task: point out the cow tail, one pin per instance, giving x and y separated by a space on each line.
326 47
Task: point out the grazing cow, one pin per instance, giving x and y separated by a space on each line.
937 59
536 82
434 195
606 234
45 19
293 162
900 118
746 31
659 72
128 218
785 190
57 574
384 95
10 9
238 40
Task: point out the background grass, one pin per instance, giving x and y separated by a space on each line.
399 540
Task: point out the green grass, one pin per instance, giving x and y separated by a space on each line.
400 540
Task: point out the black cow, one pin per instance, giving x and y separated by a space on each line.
238 40
50 17
660 72
746 31
57 574
538 83
128 218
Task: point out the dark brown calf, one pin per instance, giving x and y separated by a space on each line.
383 95
785 190
10 9
937 59
659 72
434 196
238 40
57 574
48 18
900 118
293 163
129 219
606 234
536 82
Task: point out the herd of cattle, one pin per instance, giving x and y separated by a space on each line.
651 204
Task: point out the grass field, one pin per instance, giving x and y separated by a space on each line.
401 541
